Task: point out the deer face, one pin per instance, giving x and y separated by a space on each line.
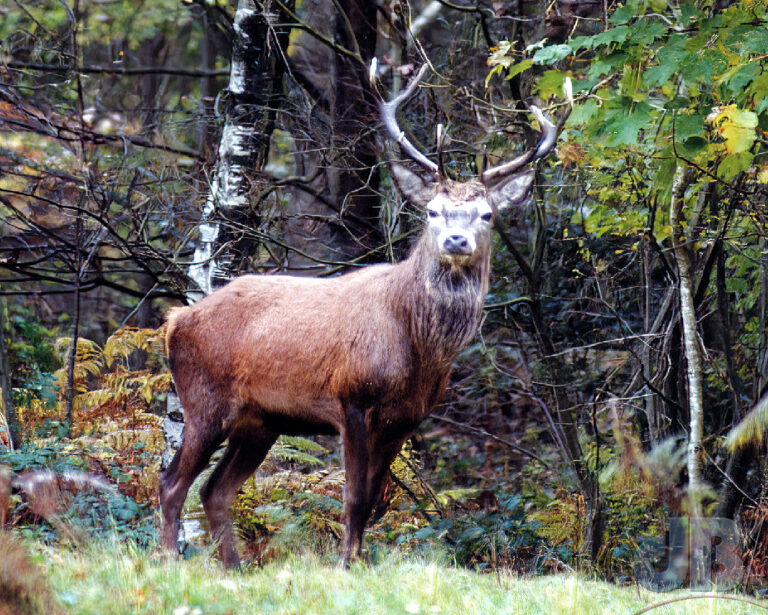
459 222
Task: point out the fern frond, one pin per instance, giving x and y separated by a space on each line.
61 346
153 384
301 444
123 342
287 453
751 429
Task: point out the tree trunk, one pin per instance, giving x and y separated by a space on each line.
72 358
332 217
242 148
691 342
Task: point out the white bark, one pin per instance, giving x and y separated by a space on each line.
229 187
692 350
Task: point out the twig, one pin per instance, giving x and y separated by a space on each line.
118 70
487 434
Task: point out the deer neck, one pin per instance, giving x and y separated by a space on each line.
441 304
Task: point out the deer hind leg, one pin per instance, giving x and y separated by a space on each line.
198 444
243 455
378 471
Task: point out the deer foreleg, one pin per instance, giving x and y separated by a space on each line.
356 499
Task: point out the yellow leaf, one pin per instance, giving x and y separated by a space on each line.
737 127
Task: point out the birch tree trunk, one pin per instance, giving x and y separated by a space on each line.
690 339
241 150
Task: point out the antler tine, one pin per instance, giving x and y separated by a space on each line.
440 139
542 148
388 111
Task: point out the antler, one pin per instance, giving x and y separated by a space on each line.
490 176
543 147
388 114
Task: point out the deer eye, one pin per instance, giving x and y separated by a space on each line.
433 213
486 216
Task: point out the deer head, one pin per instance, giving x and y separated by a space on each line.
460 213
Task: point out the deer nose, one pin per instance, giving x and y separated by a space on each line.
456 244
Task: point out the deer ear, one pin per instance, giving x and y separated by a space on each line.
410 185
512 190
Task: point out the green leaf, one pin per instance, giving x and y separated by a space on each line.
582 113
550 83
762 105
693 146
623 125
614 35
758 90
622 15
689 14
752 39
733 164
671 57
736 285
516 69
549 55
689 125
741 76
582 42
646 32
598 69
496 70
707 66
690 135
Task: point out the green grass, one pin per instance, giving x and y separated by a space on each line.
120 580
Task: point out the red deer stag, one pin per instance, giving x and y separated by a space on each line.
366 355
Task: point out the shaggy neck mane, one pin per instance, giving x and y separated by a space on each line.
441 304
